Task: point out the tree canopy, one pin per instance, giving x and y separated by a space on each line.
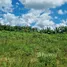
61 29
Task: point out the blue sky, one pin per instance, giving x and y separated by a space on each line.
33 13
19 8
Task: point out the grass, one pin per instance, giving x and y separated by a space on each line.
20 49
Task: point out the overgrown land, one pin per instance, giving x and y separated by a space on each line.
26 47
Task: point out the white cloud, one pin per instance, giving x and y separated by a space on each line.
44 24
42 21
42 4
56 17
65 11
60 12
63 23
10 19
5 5
24 20
2 21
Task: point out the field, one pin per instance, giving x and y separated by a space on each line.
20 49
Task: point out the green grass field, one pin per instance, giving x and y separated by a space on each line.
18 49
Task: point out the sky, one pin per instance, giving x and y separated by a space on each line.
35 13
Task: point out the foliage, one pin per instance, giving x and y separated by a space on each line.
20 49
61 29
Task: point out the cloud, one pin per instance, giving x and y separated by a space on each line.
36 15
41 21
24 20
42 4
45 24
63 23
10 19
5 5
33 16
56 17
65 11
60 12
44 21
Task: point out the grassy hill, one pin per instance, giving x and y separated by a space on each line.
20 49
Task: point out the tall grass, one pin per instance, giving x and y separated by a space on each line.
20 49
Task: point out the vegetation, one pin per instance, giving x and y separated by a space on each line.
62 29
21 47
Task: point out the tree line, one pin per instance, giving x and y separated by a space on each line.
61 29
17 28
